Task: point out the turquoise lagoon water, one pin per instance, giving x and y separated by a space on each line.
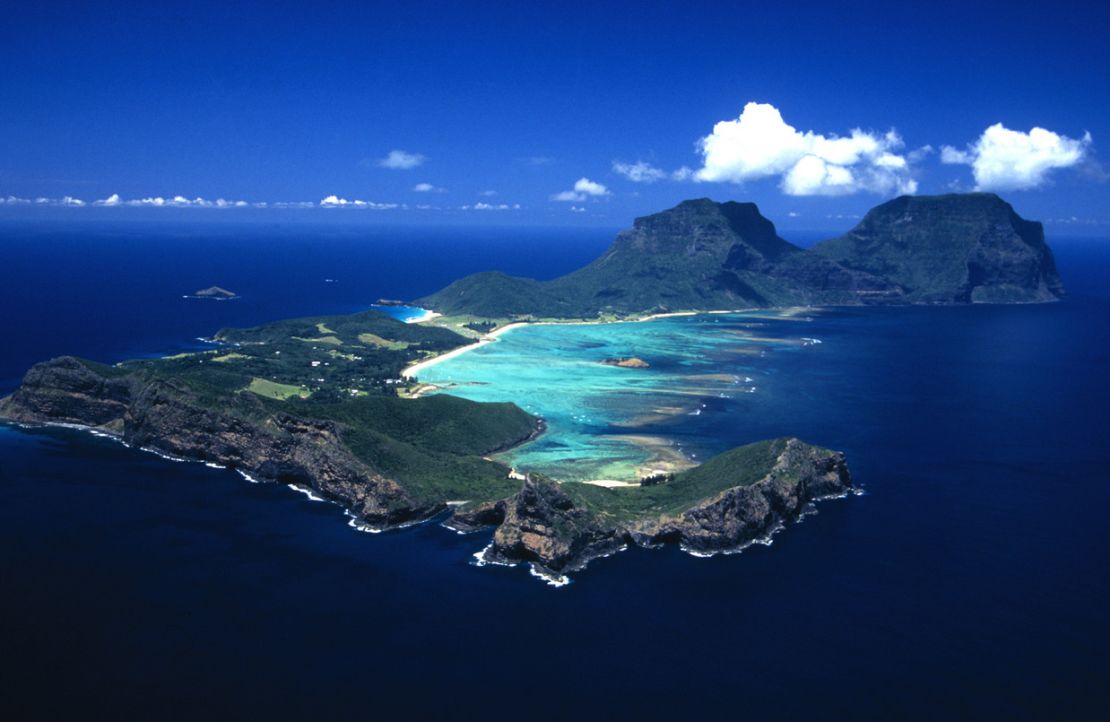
617 423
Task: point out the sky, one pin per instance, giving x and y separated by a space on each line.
554 114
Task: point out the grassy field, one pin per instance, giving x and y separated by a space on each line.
274 390
379 342
326 340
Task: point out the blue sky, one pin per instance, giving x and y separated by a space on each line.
497 110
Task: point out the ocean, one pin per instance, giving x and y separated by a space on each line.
967 582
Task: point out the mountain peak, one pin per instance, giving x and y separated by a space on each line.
953 248
702 254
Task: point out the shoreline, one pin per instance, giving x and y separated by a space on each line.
428 315
411 371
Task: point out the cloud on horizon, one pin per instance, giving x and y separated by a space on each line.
115 201
760 144
337 202
402 160
1004 159
583 188
479 206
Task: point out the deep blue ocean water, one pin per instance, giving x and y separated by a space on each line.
968 582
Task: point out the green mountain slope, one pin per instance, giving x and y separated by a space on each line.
703 255
960 248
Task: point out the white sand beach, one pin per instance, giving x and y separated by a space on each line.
490 337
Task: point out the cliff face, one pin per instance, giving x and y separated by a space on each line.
542 524
677 259
163 416
801 473
702 254
968 248
552 527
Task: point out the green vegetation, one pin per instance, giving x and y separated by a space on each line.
434 446
703 255
273 390
326 340
379 342
364 352
481 327
742 466
959 248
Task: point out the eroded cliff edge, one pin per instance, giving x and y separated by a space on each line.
728 502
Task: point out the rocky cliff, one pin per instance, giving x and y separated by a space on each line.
727 502
241 433
561 528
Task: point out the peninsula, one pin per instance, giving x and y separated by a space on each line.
324 403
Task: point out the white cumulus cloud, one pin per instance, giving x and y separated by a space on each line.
112 200
760 144
583 188
639 172
337 202
428 188
1004 159
401 160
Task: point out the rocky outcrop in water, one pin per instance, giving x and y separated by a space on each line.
627 362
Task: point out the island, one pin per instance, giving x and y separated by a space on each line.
330 403
630 362
702 255
215 293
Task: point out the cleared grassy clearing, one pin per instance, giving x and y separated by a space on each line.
276 391
378 342
327 340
